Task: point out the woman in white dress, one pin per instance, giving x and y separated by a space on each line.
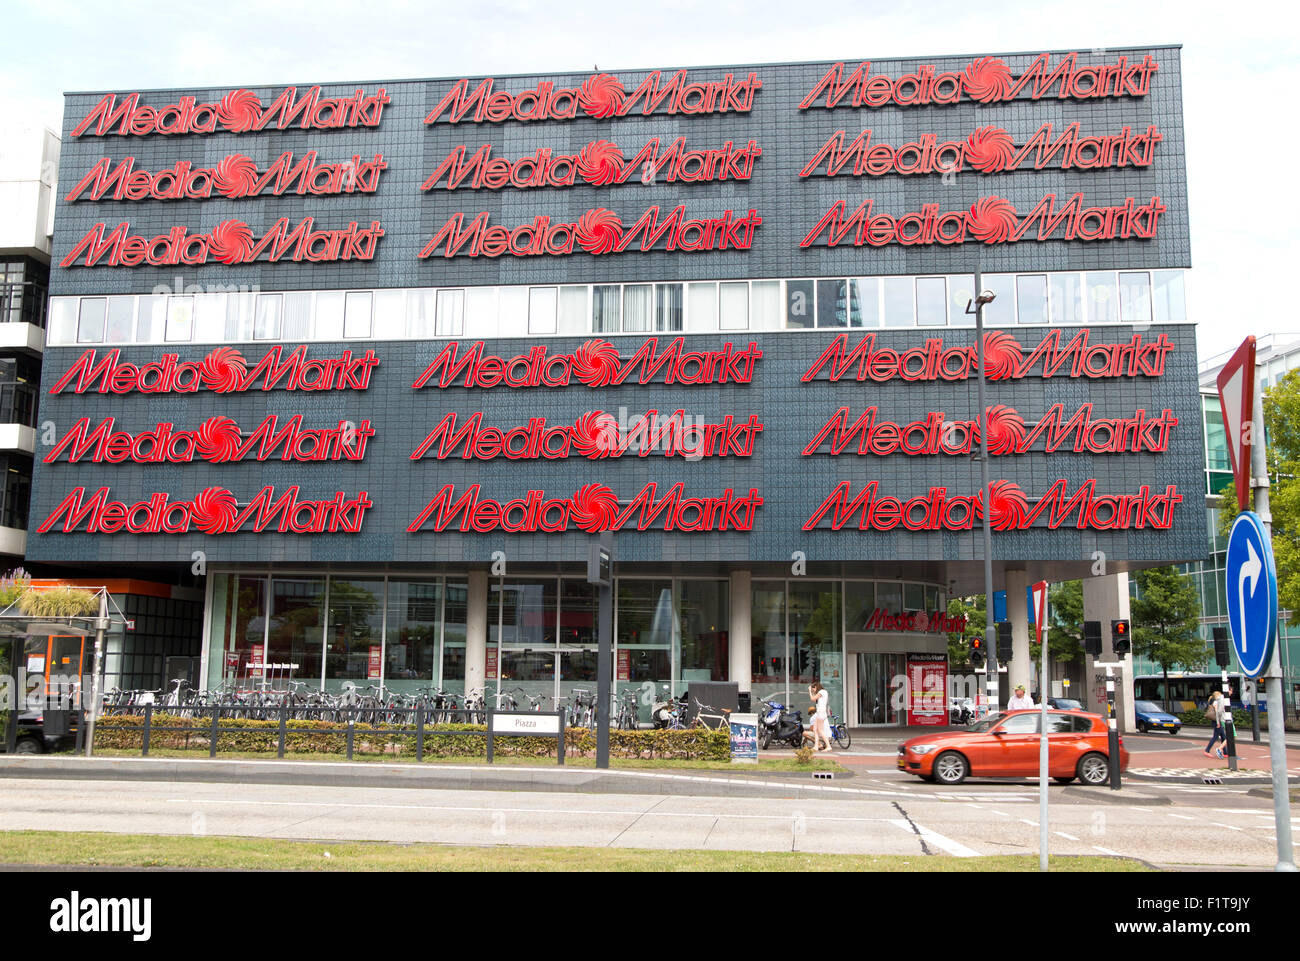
821 717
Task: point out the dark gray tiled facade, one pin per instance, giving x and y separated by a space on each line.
791 485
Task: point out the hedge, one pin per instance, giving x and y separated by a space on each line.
1239 718
125 731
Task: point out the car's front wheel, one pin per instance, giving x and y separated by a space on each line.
950 768
1142 728
1094 769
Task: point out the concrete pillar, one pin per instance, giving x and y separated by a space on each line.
1106 599
1018 671
739 657
476 631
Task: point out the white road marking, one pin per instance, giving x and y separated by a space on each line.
1181 817
1068 837
938 840
1107 851
1032 824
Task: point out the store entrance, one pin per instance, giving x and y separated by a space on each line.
875 694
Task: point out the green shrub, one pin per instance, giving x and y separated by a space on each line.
125 731
1198 719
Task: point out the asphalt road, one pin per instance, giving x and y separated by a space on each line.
1164 824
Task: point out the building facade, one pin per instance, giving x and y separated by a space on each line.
382 359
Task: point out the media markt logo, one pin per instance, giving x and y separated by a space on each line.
77 915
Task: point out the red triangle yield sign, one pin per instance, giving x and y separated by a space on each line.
1237 399
1040 608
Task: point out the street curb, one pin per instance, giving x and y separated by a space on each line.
444 777
1225 778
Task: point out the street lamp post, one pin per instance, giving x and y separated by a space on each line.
983 297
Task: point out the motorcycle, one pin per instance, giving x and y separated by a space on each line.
961 710
668 711
778 724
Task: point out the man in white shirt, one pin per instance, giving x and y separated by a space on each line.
1020 700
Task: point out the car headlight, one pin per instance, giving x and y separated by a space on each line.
923 748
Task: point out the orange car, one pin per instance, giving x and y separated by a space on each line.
1006 745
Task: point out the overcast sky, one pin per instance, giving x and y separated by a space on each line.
1241 61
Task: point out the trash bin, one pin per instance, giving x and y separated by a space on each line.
743 702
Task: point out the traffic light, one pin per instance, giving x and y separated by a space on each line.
1119 637
1004 642
1092 637
977 651
1222 653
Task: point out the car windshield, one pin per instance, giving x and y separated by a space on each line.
1148 707
985 725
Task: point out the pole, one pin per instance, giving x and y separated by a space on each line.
1042 749
1273 676
990 634
1112 731
600 571
94 683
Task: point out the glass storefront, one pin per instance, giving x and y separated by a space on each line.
410 632
329 631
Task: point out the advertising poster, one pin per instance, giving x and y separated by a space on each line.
375 658
744 738
624 664
491 673
926 677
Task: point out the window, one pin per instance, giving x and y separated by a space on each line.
765 305
1135 297
1031 299
900 308
63 320
1002 312
1102 300
573 310
702 302
543 309
864 299
90 321
329 315
800 301
482 311
668 307
1021 724
606 309
149 323
269 313
1067 298
390 314
1168 298
180 319
637 301
734 306
357 307
833 303
297 317
121 319
450 314
931 302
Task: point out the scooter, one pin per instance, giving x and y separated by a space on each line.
778 724
668 711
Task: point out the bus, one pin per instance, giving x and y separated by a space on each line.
1190 692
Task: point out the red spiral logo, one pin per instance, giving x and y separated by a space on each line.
218 439
223 370
600 162
235 175
601 95
1006 429
213 510
1002 356
987 79
231 242
593 507
596 363
992 219
595 434
598 230
239 110
990 149
1008 506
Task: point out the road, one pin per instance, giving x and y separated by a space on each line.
1164 824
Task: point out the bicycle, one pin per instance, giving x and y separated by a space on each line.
718 720
840 732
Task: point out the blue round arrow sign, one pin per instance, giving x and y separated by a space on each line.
1252 593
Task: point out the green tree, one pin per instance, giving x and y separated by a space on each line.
1282 427
959 643
1165 617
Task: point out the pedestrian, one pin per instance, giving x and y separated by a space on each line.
1020 701
1214 713
820 716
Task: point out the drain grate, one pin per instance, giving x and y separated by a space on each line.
1211 779
822 775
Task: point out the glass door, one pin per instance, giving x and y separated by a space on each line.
876 673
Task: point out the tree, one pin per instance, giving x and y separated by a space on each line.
1166 618
959 642
1065 624
1282 427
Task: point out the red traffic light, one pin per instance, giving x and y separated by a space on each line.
976 643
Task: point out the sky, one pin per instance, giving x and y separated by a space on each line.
1239 61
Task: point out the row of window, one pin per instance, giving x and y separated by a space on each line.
228 316
20 386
